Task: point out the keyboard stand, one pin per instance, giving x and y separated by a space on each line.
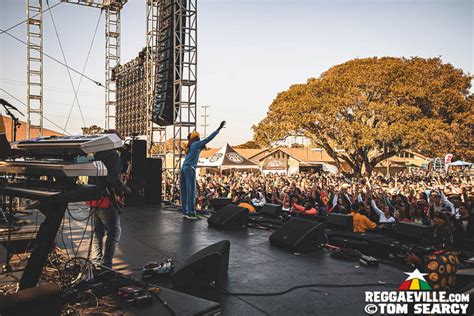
44 243
53 206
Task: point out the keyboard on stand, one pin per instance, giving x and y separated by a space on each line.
48 173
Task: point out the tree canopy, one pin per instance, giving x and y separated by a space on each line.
93 129
366 110
251 144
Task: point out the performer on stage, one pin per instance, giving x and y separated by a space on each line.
187 176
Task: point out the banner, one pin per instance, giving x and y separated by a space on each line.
447 161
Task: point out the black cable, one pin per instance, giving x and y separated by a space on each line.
83 233
70 235
225 292
20 23
78 219
89 251
54 59
62 237
147 287
65 61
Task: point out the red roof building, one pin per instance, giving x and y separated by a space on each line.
21 131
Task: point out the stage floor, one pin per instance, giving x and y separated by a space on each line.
154 233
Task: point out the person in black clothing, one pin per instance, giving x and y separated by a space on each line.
4 143
441 264
442 235
106 217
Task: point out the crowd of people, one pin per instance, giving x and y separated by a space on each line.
444 201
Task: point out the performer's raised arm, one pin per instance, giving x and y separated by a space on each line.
202 143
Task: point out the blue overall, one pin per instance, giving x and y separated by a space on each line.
187 176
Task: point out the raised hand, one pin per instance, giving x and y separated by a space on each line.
222 125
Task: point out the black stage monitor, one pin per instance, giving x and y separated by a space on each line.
299 235
340 222
413 232
219 203
206 268
229 217
272 209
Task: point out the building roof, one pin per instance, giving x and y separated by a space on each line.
21 131
249 153
208 152
304 155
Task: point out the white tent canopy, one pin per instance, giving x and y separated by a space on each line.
227 158
329 168
459 163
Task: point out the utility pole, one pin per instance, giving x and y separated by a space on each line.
205 116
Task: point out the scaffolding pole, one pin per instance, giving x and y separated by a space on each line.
112 60
155 135
185 79
34 68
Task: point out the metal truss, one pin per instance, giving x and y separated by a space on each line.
185 79
112 60
34 68
155 135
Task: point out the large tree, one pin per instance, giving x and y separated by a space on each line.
367 110
93 129
251 144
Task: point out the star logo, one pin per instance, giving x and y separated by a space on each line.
415 282
415 275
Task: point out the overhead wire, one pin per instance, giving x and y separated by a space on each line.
21 22
65 61
22 83
54 59
11 95
83 70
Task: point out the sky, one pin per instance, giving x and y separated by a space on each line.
248 50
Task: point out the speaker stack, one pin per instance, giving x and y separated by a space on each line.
145 176
138 161
153 183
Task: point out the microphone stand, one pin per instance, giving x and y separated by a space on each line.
15 121
9 218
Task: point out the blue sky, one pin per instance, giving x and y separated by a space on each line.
248 50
